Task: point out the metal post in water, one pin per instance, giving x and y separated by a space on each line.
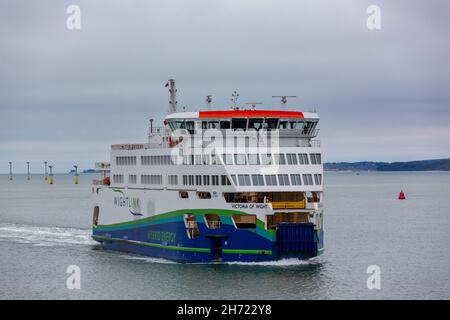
45 171
76 174
51 174
10 171
28 171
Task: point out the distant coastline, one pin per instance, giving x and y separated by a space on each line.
420 165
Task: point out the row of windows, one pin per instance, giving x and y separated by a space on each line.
247 180
228 159
118 178
306 127
156 160
215 180
205 180
151 179
173 180
126 161
269 159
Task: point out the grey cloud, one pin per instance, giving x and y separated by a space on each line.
102 83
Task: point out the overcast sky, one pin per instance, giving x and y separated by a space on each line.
66 95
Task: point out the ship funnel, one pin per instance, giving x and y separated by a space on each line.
172 96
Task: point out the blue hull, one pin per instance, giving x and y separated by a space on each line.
168 239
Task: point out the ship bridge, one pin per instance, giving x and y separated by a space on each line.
294 122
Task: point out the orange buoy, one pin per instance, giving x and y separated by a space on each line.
401 195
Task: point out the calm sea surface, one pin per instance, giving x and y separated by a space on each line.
44 229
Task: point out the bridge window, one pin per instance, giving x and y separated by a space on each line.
215 180
198 180
233 177
206 180
255 123
239 123
180 124
213 125
283 125
245 221
271 123
225 125
297 125
258 179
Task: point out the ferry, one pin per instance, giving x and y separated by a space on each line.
215 185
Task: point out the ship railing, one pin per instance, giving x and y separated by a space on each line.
309 143
97 182
154 130
289 205
137 146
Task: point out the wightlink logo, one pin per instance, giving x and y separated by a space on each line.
133 204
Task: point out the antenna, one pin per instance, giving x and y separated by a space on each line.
284 100
173 96
234 99
151 125
208 102
253 104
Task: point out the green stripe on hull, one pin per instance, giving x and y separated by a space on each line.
207 250
177 216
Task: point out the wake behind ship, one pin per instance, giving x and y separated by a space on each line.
215 186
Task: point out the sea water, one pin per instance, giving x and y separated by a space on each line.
45 228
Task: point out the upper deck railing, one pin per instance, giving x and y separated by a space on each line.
136 146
